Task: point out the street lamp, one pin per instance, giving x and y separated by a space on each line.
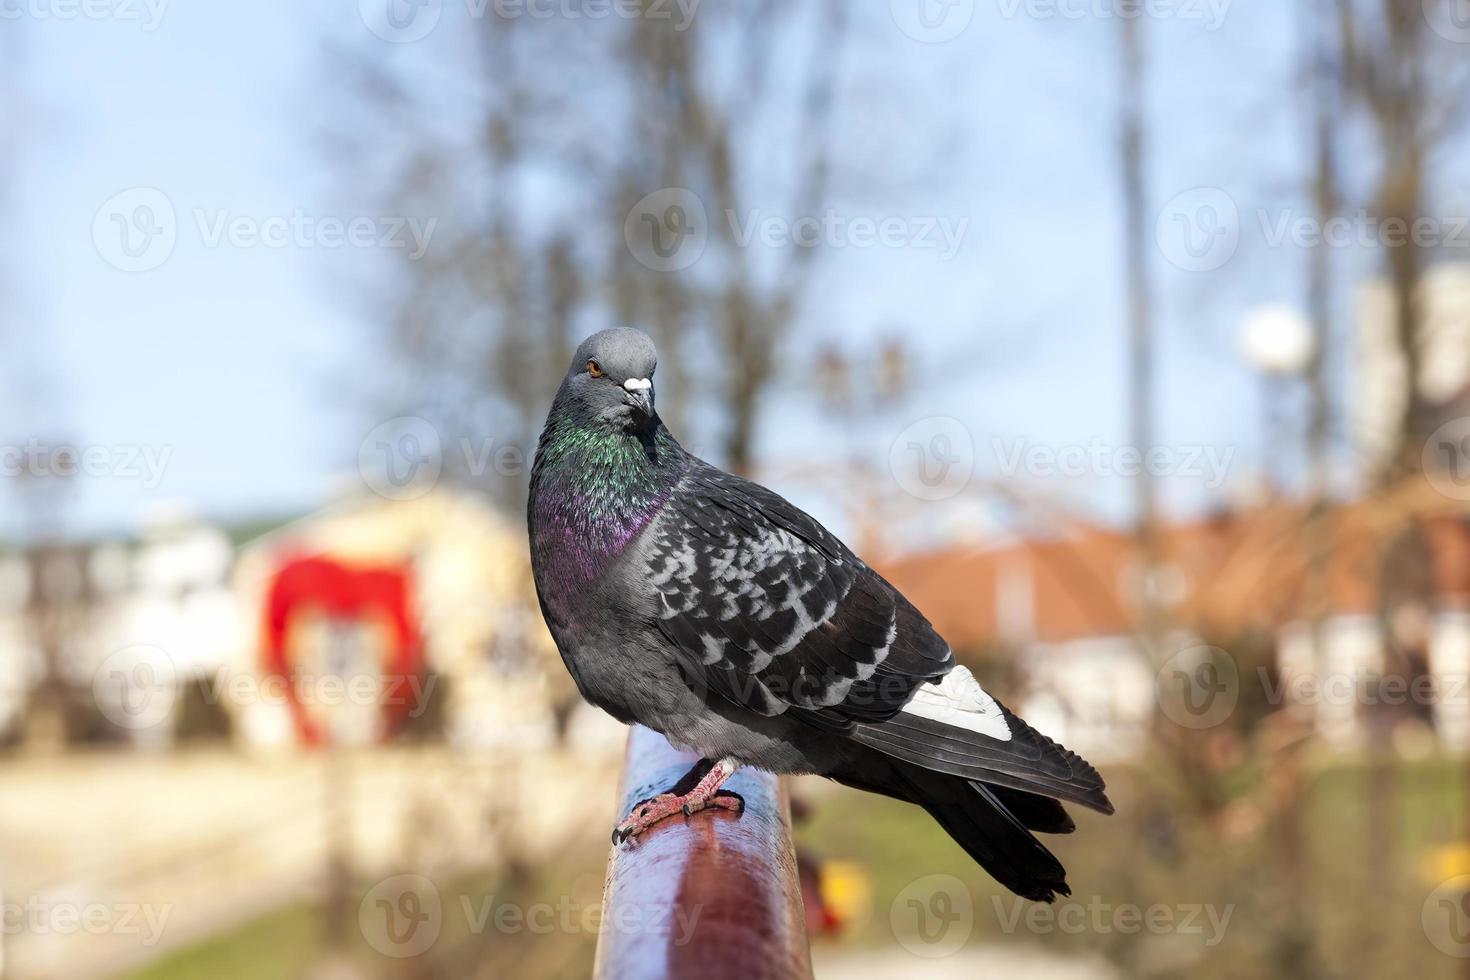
1277 341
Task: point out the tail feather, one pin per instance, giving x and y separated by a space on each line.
985 775
1029 761
989 832
1039 813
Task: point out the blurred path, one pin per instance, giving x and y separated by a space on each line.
967 964
107 859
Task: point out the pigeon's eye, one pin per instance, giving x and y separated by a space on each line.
594 369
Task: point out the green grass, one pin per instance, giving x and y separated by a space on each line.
283 943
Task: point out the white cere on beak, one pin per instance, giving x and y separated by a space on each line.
637 384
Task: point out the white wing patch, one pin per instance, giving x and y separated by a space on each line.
959 701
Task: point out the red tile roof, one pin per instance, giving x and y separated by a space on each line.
1234 571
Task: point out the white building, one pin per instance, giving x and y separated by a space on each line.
1380 389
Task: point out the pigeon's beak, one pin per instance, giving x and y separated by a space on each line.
639 395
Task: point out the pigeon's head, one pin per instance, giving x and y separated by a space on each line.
611 377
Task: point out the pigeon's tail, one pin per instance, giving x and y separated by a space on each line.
991 823
1024 761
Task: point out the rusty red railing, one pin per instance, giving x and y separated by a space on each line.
713 895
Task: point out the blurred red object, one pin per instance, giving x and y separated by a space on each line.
322 585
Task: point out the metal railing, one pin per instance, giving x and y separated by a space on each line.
713 895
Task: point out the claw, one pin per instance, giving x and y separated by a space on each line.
704 794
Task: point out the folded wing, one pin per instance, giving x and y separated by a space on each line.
772 612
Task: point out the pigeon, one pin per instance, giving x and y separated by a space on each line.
712 610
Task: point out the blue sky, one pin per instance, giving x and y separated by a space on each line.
246 363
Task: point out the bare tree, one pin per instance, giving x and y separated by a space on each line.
594 117
716 133
1132 146
1411 85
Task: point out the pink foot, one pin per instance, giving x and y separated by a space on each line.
705 794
